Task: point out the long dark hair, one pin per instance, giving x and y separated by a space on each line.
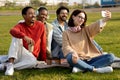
75 13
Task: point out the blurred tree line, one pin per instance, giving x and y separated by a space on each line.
38 3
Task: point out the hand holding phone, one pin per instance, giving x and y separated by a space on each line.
106 15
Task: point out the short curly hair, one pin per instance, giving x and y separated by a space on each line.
61 8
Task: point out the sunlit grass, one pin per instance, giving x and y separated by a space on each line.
109 40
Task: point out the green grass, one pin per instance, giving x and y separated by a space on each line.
109 40
109 37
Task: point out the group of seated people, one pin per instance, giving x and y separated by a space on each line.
66 41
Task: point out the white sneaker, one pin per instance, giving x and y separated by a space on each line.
115 65
9 69
107 69
75 70
2 66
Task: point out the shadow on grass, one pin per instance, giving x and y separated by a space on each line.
58 74
27 74
37 74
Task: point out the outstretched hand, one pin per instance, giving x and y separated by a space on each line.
107 16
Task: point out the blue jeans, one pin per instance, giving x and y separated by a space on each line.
96 62
60 55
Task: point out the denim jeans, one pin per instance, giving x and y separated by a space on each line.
96 62
60 55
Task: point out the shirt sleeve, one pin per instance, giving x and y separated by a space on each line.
57 35
95 28
16 32
102 24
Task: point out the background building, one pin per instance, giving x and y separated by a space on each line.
16 2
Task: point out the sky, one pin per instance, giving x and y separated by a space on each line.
93 1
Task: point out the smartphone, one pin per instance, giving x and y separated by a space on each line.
103 13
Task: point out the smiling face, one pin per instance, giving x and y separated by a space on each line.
79 19
30 16
42 16
63 15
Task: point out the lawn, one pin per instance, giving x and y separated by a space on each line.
109 40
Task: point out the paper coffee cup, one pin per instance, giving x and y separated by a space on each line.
30 47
